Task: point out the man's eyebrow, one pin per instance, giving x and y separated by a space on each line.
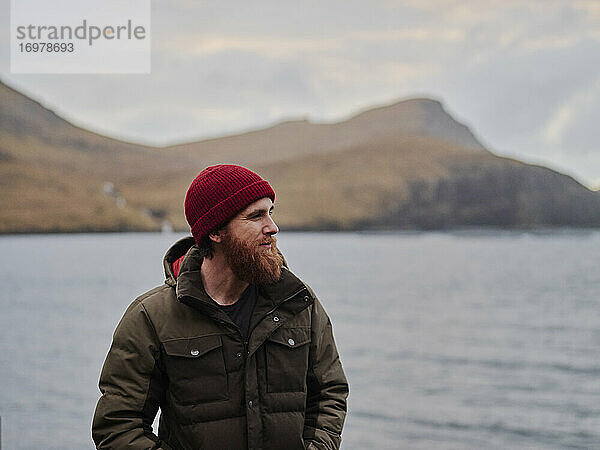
259 211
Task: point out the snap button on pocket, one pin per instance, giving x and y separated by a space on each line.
275 319
195 352
291 341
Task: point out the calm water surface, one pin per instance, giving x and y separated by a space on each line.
449 341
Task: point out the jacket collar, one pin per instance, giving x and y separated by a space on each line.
276 303
190 290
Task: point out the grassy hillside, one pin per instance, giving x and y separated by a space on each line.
405 165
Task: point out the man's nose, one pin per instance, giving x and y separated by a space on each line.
270 227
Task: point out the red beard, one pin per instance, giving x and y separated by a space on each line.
251 263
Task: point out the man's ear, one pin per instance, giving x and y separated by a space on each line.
216 235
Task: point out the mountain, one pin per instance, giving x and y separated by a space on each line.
53 173
292 139
408 165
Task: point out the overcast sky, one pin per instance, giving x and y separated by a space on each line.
523 75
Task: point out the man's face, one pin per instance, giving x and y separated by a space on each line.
250 246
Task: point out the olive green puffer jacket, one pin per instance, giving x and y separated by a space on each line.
174 349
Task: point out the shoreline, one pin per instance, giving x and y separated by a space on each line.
476 230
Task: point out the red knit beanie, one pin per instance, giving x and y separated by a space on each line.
218 193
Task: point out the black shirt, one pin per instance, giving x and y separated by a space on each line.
241 311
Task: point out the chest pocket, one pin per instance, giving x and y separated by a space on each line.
196 369
287 360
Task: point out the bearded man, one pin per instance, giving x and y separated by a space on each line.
234 349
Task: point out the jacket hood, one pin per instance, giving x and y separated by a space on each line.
177 250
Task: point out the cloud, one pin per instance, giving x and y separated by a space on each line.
520 73
199 44
574 117
574 126
186 45
410 34
591 8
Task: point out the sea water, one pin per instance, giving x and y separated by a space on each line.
449 340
